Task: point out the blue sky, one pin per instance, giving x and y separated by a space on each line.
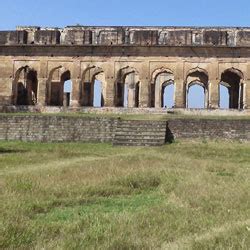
60 13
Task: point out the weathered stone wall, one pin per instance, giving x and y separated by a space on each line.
85 129
36 62
210 128
57 128
94 35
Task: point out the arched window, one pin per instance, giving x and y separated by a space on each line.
196 96
168 95
162 89
127 88
93 87
25 87
197 89
224 97
67 90
232 80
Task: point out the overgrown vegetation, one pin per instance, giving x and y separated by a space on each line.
185 195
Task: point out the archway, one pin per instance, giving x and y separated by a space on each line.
127 88
59 89
162 89
25 87
67 92
223 97
168 95
232 80
197 89
93 87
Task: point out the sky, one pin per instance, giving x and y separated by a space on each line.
60 13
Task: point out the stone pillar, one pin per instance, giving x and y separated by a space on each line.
75 93
246 94
158 90
179 87
76 84
42 84
213 94
41 92
109 97
144 100
180 93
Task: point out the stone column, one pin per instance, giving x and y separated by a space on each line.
110 92
179 87
246 94
157 93
213 94
109 85
41 92
144 100
180 94
42 83
75 93
76 84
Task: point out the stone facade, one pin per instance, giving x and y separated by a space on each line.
35 63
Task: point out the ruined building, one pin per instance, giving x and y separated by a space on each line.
133 64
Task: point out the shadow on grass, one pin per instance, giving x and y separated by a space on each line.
10 151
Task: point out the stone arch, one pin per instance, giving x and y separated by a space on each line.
55 95
127 88
89 77
160 79
24 86
200 77
232 79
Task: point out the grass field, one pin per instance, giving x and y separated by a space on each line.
185 195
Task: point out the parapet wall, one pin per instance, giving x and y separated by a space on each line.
87 35
85 129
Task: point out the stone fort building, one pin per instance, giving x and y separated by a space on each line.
132 63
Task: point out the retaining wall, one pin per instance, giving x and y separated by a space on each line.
85 129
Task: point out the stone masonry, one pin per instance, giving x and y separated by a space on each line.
140 61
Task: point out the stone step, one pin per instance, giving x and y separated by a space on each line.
137 144
138 140
141 132
141 137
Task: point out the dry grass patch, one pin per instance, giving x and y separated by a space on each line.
94 196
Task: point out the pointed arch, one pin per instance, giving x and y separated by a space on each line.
127 87
55 94
197 81
24 86
93 87
232 79
160 80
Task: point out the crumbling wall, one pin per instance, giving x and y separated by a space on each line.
144 36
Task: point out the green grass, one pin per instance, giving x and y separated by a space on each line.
185 195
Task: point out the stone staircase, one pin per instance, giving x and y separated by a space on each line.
140 133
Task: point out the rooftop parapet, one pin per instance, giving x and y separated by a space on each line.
128 35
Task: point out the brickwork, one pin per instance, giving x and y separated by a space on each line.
84 129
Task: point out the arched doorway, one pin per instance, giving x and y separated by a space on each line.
168 95
93 87
223 97
59 87
25 87
162 89
127 88
232 80
197 89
